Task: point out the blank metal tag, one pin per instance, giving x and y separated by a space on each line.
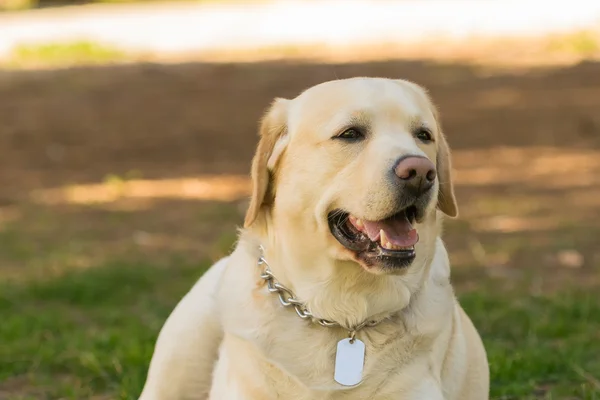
349 362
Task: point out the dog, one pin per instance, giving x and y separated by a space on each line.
339 285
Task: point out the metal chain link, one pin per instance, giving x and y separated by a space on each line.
287 298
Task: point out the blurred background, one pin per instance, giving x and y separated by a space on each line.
127 130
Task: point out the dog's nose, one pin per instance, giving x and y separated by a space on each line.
417 173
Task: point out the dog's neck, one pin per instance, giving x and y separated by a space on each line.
341 291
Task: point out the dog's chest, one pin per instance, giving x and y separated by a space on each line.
308 353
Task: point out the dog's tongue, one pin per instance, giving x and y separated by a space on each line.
398 231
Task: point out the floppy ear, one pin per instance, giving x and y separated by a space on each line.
272 143
446 200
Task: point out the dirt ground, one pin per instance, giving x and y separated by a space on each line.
166 144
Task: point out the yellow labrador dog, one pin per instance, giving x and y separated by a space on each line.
339 285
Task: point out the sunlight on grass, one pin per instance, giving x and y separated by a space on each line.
218 187
64 54
583 42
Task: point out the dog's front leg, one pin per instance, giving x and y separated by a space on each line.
427 389
186 349
243 373
235 376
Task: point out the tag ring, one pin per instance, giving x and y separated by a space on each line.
352 336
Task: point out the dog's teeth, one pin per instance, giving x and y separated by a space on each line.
383 239
357 223
390 246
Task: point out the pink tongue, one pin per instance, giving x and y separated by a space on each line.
398 230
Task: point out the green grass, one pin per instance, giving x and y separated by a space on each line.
87 332
91 332
584 42
539 347
61 54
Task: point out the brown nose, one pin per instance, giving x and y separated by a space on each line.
416 173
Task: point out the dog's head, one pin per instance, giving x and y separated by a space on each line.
355 168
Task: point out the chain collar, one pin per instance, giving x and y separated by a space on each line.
287 298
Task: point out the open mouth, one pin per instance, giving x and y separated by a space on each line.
389 242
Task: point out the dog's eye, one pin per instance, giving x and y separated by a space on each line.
424 135
350 134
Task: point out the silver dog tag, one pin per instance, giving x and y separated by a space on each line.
349 362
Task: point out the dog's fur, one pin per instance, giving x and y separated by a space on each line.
229 338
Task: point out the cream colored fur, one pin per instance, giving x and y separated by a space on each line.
229 338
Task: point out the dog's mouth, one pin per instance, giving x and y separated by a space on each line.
389 242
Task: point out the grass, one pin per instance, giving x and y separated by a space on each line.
91 333
539 347
61 54
88 333
584 42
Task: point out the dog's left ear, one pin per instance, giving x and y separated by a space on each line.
272 143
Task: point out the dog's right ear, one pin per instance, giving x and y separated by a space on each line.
272 143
